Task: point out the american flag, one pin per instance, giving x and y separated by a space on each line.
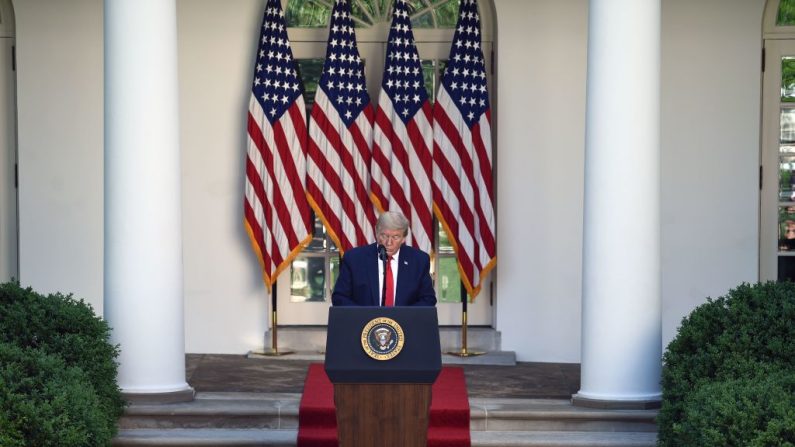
277 215
462 184
341 138
401 168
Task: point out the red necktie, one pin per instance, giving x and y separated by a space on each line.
390 284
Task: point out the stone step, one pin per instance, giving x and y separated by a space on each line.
562 439
279 411
287 438
555 415
218 410
205 437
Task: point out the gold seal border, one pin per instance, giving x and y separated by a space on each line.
389 322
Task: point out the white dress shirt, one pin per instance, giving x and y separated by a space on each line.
394 266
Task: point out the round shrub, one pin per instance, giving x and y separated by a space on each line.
751 411
726 351
47 403
63 327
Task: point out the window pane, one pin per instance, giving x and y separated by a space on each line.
445 247
448 281
786 13
308 279
786 268
429 77
385 7
788 79
423 21
318 242
363 9
447 14
316 13
786 228
334 264
786 179
309 71
417 5
785 149
442 67
788 126
307 14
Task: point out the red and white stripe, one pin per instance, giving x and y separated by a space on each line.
338 173
401 168
277 216
462 188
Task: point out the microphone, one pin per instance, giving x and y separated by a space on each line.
382 256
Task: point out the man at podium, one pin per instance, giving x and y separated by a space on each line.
386 273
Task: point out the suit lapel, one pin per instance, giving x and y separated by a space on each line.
372 274
404 269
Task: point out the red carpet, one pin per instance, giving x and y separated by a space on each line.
449 419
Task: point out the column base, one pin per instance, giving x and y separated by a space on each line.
605 404
170 397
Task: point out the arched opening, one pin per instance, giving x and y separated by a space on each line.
304 292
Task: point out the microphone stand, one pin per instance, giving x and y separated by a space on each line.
382 256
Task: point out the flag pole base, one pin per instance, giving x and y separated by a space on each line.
274 350
270 353
465 353
276 353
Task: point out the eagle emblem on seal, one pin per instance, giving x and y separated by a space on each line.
382 338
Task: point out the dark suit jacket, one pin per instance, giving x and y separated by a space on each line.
357 284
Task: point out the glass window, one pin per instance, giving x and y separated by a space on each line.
447 14
314 271
786 13
786 189
786 228
307 14
432 70
448 279
308 279
423 21
788 79
786 268
366 13
787 126
309 71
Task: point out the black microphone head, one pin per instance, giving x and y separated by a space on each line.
381 252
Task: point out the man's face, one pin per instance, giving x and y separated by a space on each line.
391 239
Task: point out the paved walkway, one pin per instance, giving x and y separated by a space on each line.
237 373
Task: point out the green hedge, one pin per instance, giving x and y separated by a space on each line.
729 375
57 372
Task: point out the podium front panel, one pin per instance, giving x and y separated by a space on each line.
418 361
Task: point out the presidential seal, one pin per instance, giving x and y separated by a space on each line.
382 338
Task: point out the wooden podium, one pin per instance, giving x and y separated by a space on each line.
382 399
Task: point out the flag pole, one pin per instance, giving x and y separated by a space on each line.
274 351
465 351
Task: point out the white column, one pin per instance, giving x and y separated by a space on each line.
621 328
143 236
